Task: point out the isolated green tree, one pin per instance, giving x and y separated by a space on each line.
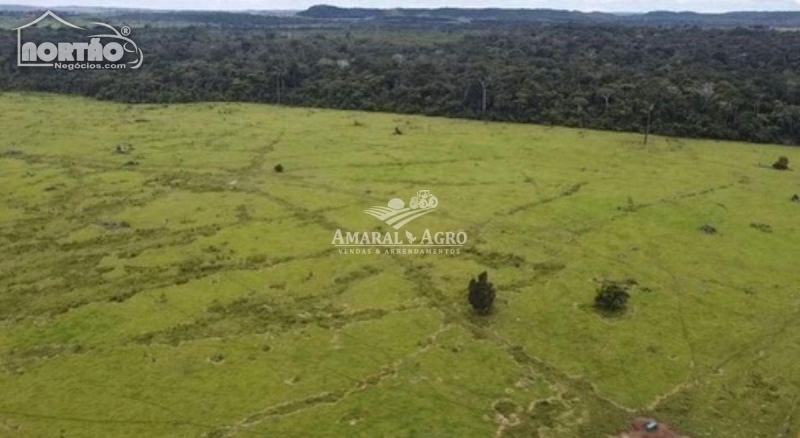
612 296
481 294
781 164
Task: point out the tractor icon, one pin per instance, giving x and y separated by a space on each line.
423 200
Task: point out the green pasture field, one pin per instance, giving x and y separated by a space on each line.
182 288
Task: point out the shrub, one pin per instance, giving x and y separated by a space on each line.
764 228
481 294
708 229
279 168
612 296
781 164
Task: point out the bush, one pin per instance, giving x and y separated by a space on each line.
612 296
708 229
781 164
279 168
481 294
764 228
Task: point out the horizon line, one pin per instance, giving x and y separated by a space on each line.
389 8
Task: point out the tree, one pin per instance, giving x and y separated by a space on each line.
650 109
484 84
707 90
606 94
580 103
481 294
612 296
781 164
280 75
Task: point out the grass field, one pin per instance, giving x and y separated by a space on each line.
186 289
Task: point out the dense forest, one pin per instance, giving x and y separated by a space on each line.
553 16
726 83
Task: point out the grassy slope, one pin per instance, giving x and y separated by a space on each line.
223 311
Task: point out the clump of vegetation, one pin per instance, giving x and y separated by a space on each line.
765 228
781 164
397 131
612 296
112 225
481 294
12 153
279 168
123 149
708 229
796 198
358 123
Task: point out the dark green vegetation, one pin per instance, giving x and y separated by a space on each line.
481 294
491 16
724 83
612 296
781 164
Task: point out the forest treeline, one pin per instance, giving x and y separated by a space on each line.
784 19
739 83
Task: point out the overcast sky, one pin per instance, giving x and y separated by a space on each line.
583 5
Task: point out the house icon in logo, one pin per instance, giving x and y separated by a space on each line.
19 37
